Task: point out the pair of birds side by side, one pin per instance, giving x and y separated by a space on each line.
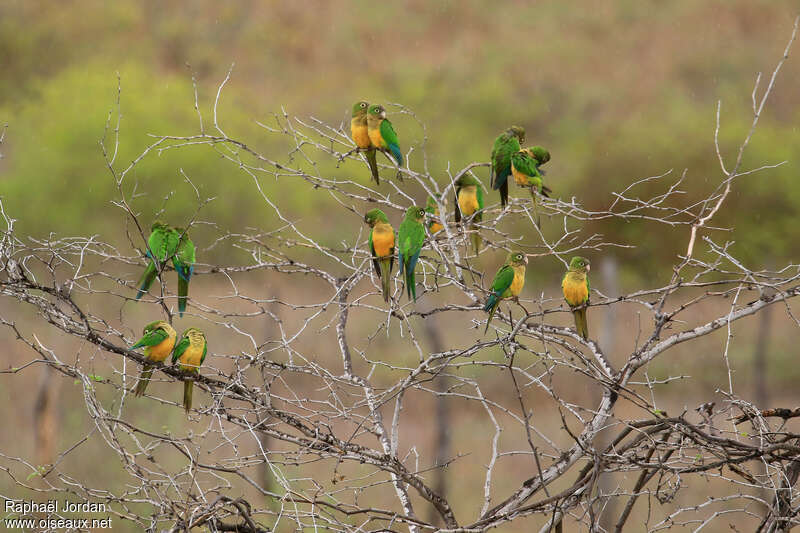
510 279
159 341
372 131
382 244
167 243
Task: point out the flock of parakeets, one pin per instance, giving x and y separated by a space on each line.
372 132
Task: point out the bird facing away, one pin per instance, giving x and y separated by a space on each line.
158 340
190 352
161 246
508 283
505 145
525 169
183 261
409 239
381 132
469 201
434 222
381 247
359 132
575 286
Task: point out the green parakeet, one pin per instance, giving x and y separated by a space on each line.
508 282
469 202
359 132
505 145
158 341
382 134
183 261
575 286
525 169
190 352
161 246
381 247
409 239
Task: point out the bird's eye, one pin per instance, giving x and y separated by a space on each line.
363 104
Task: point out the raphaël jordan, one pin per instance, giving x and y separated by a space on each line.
53 506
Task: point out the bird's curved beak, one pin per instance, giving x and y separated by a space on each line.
383 114
588 267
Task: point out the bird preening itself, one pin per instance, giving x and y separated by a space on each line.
381 247
183 261
158 340
575 286
508 283
505 145
525 169
409 241
161 246
359 131
190 352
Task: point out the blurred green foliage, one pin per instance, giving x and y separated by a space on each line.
617 92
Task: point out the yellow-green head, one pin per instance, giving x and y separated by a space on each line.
360 109
517 259
375 216
579 264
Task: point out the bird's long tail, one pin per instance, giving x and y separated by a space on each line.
147 279
386 265
411 286
398 155
372 161
475 237
144 379
580 323
188 384
535 207
183 292
504 193
491 307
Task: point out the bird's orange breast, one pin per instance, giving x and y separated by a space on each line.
383 239
192 357
160 351
360 133
575 290
519 281
468 200
376 137
520 178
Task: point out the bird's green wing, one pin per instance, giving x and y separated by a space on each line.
388 133
502 280
152 338
157 245
375 261
205 351
525 164
479 194
179 349
458 209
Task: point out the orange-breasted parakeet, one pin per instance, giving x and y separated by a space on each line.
158 340
434 222
508 283
381 132
575 286
359 132
525 169
409 243
381 247
161 246
505 145
183 260
190 352
469 201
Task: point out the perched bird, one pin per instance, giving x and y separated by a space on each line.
190 352
409 240
158 341
575 286
508 283
161 246
505 145
382 134
434 222
525 169
381 247
359 132
469 201
183 260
